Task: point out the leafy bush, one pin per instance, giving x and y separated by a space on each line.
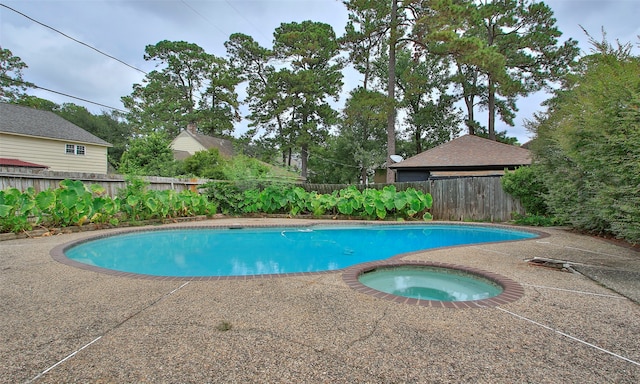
242 167
140 203
536 220
15 209
75 203
208 164
527 185
150 155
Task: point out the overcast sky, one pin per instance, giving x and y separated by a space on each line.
122 28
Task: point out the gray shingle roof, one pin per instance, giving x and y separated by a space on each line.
468 151
20 120
224 146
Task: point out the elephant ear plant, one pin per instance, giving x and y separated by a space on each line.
15 209
294 200
75 204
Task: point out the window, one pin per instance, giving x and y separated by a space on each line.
72 149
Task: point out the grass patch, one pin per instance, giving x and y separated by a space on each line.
224 326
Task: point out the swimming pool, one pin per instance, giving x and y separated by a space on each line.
205 252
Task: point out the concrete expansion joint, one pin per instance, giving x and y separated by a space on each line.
568 336
118 325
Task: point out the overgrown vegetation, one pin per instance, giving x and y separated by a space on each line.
74 203
149 155
527 185
588 145
246 198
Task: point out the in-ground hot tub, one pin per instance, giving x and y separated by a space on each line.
426 282
433 284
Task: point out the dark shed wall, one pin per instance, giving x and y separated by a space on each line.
403 176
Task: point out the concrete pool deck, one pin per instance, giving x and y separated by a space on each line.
65 324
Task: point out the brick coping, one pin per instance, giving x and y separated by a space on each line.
58 252
511 290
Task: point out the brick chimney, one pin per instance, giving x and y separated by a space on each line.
191 128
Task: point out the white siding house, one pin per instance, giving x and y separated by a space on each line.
188 142
42 137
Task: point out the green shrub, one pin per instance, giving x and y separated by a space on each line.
536 220
207 164
527 185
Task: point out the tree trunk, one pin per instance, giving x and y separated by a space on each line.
492 110
471 125
491 88
468 96
391 92
304 154
363 175
366 75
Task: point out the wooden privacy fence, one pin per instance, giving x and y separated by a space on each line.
463 198
460 198
40 180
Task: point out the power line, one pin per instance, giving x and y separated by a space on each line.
76 40
61 93
333 162
81 99
224 34
245 19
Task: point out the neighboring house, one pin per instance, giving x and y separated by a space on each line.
33 136
188 142
464 156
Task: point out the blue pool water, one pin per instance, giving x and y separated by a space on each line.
256 251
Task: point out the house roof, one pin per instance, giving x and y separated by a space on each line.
180 155
224 146
19 120
468 152
5 162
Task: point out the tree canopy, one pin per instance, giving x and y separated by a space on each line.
502 50
148 155
190 86
12 85
292 101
